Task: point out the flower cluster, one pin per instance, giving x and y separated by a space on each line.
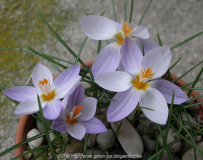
121 66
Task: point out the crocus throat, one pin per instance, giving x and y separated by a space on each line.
47 93
140 81
72 117
126 31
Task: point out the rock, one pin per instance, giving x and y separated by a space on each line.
40 127
37 142
140 128
52 136
185 146
147 131
184 117
36 153
149 124
27 156
91 140
198 138
76 147
166 157
103 118
58 150
189 155
85 85
106 140
149 144
98 154
132 114
128 137
172 136
116 151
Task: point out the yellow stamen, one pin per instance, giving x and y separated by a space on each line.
76 112
119 38
44 81
140 85
126 28
146 74
49 96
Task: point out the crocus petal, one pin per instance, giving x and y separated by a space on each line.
88 110
107 60
21 93
115 81
52 109
40 73
167 88
29 106
98 27
94 126
69 102
121 67
141 31
77 130
131 56
158 59
66 75
68 86
153 99
59 124
148 45
118 25
125 104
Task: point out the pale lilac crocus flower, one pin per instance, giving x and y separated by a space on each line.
49 91
137 82
101 28
77 115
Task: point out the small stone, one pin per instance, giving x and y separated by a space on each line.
27 156
197 138
36 153
106 140
91 140
148 131
76 147
184 117
140 129
132 114
58 150
98 154
149 144
166 157
185 146
172 136
189 155
37 142
40 127
52 136
49 154
149 124
85 85
128 137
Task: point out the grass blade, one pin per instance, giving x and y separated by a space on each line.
144 13
85 146
175 63
80 50
131 11
114 11
45 128
117 132
125 11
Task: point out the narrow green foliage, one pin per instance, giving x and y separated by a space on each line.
80 50
187 40
117 132
193 99
40 154
190 89
144 13
196 80
190 83
55 66
106 100
194 104
157 145
131 11
114 11
85 146
188 71
125 11
146 108
103 13
62 150
45 128
175 63
93 153
142 49
99 47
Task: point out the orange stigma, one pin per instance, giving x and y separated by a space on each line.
126 28
72 117
146 74
45 81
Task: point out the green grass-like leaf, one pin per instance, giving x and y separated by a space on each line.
114 11
125 10
131 11
117 132
85 145
144 13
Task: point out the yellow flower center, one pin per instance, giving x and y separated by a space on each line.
126 28
72 117
146 74
140 85
49 96
119 38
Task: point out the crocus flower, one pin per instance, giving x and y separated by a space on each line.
77 115
49 91
137 82
101 28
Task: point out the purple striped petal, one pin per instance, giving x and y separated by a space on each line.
40 73
77 130
125 104
88 110
148 45
107 60
67 87
153 99
52 109
66 75
115 81
28 107
167 88
158 59
21 93
118 25
131 56
121 67
94 126
141 31
98 27
59 124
